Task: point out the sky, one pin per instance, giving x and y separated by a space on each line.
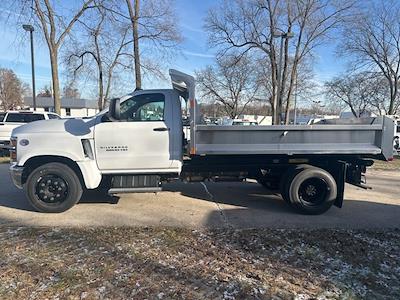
196 53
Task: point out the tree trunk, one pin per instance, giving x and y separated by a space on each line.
271 101
134 16
108 86
287 108
393 96
99 62
55 79
136 54
101 90
283 77
293 76
274 75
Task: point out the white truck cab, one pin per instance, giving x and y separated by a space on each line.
138 143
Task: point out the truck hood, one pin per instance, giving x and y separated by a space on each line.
76 127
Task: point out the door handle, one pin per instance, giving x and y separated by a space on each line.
161 129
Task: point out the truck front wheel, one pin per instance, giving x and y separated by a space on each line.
53 188
312 191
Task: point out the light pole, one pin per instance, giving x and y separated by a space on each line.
278 95
30 28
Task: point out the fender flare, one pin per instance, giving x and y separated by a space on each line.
86 170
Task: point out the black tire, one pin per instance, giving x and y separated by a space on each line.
312 191
287 178
53 188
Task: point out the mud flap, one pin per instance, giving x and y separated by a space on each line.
339 173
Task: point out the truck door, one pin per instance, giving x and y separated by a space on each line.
142 138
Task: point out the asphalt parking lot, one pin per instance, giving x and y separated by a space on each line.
195 205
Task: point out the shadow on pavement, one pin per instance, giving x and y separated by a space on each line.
249 205
14 198
241 194
241 205
93 196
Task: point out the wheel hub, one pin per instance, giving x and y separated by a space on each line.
51 189
311 190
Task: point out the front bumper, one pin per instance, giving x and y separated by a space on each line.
16 175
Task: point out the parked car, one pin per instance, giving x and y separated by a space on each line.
396 140
12 119
244 122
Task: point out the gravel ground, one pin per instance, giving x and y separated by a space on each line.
393 165
160 263
4 160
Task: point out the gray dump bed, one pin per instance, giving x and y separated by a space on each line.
373 137
367 136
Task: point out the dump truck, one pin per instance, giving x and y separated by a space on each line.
138 144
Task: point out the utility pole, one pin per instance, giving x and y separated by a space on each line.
30 28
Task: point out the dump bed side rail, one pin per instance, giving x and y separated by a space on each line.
375 138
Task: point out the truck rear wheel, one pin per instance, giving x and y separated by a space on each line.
287 178
53 188
311 191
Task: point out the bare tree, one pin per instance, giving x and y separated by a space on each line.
104 44
251 25
373 39
303 85
11 90
231 83
361 93
154 30
55 25
46 91
215 110
71 91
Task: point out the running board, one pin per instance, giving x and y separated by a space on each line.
134 190
135 184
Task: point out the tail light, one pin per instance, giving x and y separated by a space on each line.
13 149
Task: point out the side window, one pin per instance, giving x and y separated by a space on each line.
52 116
2 115
144 107
15 118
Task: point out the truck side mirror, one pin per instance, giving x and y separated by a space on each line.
114 110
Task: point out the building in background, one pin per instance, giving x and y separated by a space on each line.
70 107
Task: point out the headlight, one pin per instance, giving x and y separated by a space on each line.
14 141
13 149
